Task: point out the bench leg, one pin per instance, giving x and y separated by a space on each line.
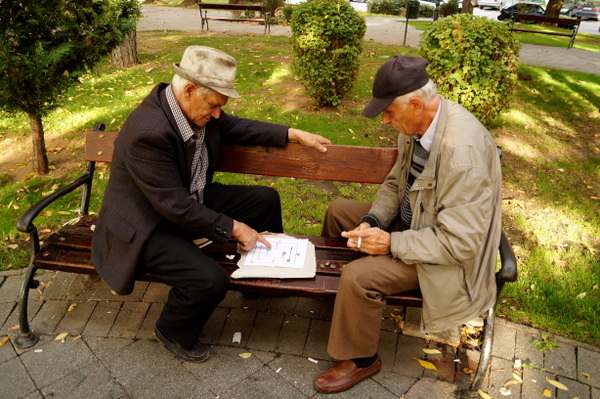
484 359
204 20
26 338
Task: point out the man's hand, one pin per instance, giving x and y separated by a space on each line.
246 236
308 139
373 240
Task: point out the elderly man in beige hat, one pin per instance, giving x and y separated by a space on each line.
161 195
435 223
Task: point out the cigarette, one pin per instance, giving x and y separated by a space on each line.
358 244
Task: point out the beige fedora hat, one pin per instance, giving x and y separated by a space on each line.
208 67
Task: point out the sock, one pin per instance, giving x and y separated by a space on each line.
364 362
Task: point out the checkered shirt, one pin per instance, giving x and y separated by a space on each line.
192 132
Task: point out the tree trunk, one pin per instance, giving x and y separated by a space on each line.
125 55
553 8
467 7
40 158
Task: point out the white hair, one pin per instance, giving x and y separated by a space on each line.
427 94
179 82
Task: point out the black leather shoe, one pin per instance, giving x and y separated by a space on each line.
199 353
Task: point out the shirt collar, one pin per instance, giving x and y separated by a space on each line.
427 139
180 119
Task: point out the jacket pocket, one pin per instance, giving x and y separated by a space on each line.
120 227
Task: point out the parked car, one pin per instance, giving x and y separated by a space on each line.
515 10
568 9
497 4
591 9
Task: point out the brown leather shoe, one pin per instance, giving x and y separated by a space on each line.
344 375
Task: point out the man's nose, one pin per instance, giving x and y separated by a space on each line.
385 120
216 113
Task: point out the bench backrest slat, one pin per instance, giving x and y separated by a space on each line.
540 18
99 145
340 162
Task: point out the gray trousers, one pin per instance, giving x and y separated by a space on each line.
364 283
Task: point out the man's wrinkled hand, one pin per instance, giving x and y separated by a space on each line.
373 240
308 139
247 237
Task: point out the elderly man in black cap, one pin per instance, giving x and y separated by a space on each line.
435 223
161 195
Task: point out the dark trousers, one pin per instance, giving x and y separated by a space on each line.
198 283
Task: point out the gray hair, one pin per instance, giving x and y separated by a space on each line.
427 94
179 82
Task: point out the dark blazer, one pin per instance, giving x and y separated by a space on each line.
150 180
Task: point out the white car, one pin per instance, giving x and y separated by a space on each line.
497 4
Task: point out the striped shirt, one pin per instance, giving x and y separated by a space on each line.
419 159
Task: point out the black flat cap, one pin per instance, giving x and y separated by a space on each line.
401 75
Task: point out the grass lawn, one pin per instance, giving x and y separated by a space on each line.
551 163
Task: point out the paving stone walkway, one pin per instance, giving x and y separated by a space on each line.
109 351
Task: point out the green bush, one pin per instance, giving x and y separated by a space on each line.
272 5
473 60
426 11
327 39
286 13
387 7
449 8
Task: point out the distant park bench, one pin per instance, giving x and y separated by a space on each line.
264 19
69 248
568 24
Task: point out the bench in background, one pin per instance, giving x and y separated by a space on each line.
568 24
69 249
265 19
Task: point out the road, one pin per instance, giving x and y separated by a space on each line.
587 25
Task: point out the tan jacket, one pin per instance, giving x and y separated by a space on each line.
456 224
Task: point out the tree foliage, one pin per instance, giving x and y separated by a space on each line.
473 61
327 39
45 46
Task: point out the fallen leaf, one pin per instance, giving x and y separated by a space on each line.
72 307
505 391
547 393
557 384
517 377
3 341
13 328
586 376
61 337
245 355
431 351
512 382
467 370
425 364
484 395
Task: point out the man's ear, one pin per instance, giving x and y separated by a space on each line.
416 103
188 89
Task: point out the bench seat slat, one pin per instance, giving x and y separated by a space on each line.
69 249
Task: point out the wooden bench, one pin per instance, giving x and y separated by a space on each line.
564 23
265 19
68 250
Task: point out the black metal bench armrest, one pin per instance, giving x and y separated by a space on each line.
25 223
